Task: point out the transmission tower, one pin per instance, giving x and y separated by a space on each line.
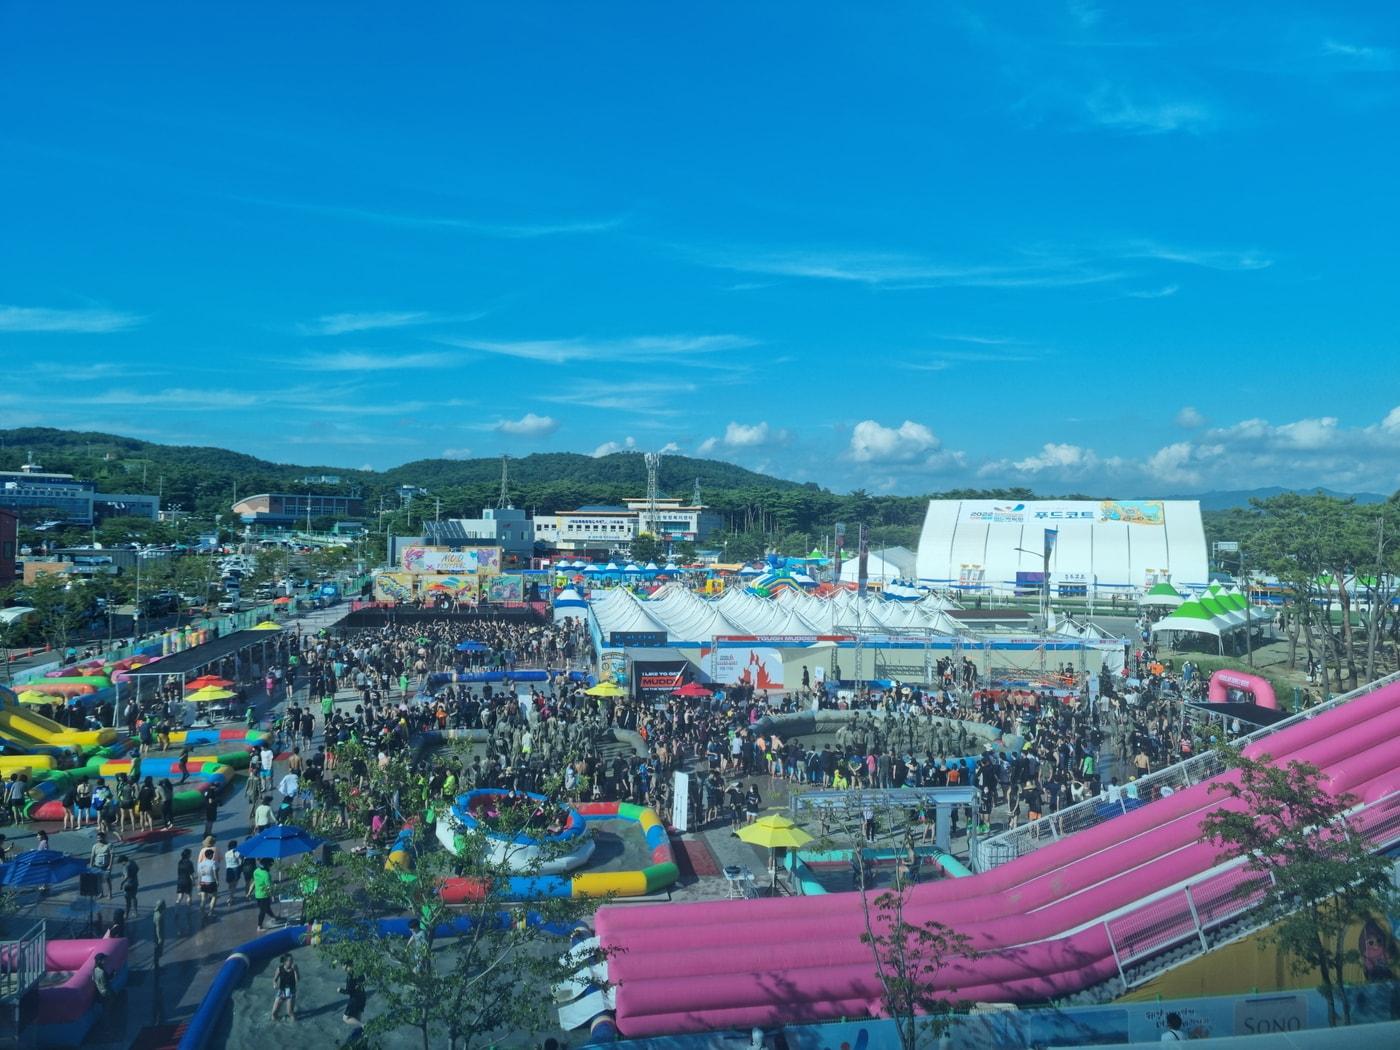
503 500
695 494
653 462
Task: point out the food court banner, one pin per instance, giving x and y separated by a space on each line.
1053 512
393 587
761 668
442 560
505 588
656 680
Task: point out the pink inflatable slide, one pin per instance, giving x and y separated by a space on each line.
1036 922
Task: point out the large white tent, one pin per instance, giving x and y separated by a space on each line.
1105 546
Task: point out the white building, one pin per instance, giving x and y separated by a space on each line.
612 528
1104 546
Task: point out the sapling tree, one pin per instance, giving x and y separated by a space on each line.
909 956
1320 876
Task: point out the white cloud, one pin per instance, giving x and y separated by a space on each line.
897 270
1206 258
643 397
871 442
608 448
1111 107
1360 57
1252 453
675 348
456 453
83 322
744 436
1164 292
1059 457
508 231
1189 419
528 425
340 324
1171 465
367 361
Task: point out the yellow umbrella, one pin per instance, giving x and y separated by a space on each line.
773 831
210 693
266 625
29 696
606 689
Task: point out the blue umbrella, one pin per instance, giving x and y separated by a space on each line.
41 867
470 646
279 842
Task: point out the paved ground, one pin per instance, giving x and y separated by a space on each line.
194 949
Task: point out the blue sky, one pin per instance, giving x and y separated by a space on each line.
897 246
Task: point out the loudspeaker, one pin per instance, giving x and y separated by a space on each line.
90 884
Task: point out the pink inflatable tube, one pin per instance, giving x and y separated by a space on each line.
1037 967
709 973
1049 860
1223 681
1046 908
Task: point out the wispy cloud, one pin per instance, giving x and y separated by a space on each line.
84 321
638 348
340 324
369 361
908 271
1208 259
1112 107
507 231
1164 292
1360 56
640 397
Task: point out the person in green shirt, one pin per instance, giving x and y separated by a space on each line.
260 889
327 706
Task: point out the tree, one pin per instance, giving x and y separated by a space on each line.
482 980
1317 869
646 547
59 609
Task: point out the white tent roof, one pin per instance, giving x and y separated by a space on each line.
619 610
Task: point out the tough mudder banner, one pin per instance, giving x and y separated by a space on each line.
656 680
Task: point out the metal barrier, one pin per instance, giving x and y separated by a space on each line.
1215 900
23 967
1017 842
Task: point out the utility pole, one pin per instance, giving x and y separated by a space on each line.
1248 630
653 462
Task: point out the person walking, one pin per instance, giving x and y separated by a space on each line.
233 868
211 810
131 885
208 872
260 889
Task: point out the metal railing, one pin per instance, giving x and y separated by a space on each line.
1017 842
21 965
1218 899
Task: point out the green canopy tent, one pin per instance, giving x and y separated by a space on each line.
1162 595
